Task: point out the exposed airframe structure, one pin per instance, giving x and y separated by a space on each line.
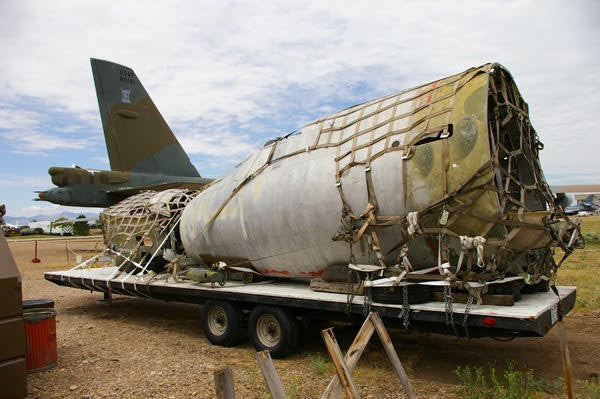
434 188
446 174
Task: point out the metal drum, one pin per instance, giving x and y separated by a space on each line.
40 328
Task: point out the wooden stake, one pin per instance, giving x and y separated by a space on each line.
334 389
392 355
566 358
265 363
224 384
35 258
340 366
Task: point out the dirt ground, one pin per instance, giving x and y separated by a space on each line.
146 348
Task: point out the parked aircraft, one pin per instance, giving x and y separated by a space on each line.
586 206
143 151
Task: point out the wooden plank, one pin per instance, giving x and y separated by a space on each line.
340 366
498 300
566 358
392 355
338 287
224 384
334 389
265 363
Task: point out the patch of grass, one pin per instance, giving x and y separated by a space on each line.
318 363
582 268
589 389
476 383
556 386
293 385
253 377
508 384
592 238
30 236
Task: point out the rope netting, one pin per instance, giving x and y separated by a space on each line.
499 220
138 230
518 237
137 226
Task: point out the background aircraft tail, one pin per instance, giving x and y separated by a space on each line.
589 199
137 137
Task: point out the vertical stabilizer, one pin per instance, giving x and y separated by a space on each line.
137 137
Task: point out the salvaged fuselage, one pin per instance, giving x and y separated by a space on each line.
444 174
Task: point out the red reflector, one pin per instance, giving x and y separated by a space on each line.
50 277
489 321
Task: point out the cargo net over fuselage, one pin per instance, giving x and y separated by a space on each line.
497 221
140 228
468 194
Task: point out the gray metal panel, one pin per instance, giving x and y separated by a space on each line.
284 219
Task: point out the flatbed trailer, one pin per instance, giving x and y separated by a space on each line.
227 307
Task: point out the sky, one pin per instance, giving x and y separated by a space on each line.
229 75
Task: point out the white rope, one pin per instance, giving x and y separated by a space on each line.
470 243
413 224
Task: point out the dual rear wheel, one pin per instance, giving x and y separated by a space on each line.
271 328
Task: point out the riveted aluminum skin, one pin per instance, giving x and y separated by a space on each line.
282 220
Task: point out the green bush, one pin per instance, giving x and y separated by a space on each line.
474 383
81 228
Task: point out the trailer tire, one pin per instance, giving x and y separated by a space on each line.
274 329
222 322
417 293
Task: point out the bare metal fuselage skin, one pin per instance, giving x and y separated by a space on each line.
427 150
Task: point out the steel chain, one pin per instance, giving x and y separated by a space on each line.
405 307
466 316
449 311
368 299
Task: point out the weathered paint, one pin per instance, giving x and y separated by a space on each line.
143 151
288 214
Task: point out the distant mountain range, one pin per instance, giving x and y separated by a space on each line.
24 220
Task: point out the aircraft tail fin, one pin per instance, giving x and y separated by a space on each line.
137 137
589 199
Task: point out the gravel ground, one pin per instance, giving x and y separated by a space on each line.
146 348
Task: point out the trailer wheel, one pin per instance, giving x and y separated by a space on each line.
222 322
274 329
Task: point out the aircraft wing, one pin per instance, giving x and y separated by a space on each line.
127 191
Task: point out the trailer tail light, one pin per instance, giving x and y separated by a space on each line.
489 321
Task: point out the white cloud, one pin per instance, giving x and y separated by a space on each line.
217 63
103 160
28 142
223 144
12 180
